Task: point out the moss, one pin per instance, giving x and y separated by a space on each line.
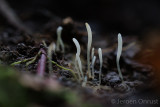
12 94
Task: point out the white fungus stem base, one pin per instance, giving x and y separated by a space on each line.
119 51
101 62
89 48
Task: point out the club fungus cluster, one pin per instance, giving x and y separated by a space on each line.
81 74
78 64
91 58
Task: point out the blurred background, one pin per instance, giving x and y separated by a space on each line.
125 16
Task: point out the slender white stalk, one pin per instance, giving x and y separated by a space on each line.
59 39
54 47
101 62
77 70
77 46
59 31
84 82
93 62
119 51
62 45
77 60
92 54
89 47
51 49
80 65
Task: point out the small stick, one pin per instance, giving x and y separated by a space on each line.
64 69
19 62
11 16
41 63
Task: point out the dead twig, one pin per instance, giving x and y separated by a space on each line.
11 16
42 63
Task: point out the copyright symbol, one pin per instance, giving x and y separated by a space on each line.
113 101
